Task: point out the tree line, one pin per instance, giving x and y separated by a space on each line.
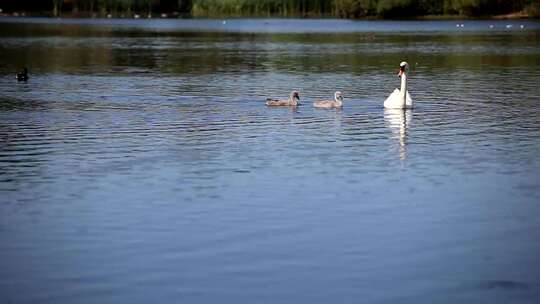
276 8
97 7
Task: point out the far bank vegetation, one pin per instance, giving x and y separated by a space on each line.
399 9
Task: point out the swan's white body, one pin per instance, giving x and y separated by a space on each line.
400 98
395 100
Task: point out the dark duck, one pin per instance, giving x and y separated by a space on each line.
23 75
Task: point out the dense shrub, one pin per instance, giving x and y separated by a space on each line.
283 8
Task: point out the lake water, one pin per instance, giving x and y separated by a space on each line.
139 162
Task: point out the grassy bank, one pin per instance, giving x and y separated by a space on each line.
394 9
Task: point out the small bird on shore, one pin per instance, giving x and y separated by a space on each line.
293 100
23 75
328 104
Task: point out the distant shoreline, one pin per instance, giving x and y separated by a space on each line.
174 15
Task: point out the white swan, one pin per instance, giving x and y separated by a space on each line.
400 98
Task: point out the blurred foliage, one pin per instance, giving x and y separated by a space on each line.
281 8
97 7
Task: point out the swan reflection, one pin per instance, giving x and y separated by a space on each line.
398 120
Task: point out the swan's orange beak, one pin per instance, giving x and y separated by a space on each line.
400 73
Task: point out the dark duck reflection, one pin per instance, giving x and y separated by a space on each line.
23 75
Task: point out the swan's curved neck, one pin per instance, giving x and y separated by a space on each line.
338 101
403 89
